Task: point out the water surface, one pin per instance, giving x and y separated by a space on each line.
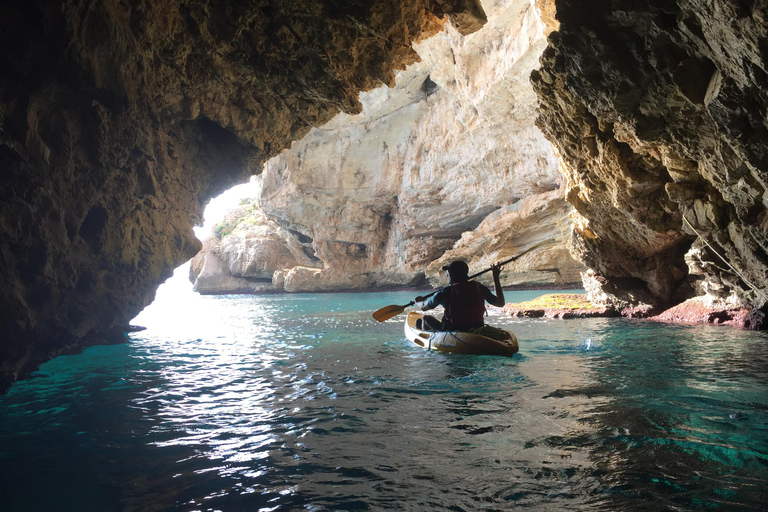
304 402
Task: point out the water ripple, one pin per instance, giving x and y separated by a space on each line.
305 403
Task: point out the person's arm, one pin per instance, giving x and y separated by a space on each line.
425 304
499 293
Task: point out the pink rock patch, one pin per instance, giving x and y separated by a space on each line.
697 311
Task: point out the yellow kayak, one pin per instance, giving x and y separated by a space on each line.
459 342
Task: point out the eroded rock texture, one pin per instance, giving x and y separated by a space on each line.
447 155
245 251
118 120
659 112
537 228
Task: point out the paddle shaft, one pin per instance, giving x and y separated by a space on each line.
388 312
475 275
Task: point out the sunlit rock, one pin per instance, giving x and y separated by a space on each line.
245 251
453 147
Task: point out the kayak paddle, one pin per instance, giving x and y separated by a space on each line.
388 312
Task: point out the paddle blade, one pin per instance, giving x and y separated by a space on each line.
388 312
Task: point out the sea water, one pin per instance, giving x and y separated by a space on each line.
304 402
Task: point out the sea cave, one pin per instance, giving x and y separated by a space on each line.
613 147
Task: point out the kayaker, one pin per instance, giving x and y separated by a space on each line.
463 300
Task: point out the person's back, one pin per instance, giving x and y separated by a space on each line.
464 300
466 308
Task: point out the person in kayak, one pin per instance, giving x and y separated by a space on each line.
463 300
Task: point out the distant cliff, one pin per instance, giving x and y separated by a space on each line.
244 252
448 163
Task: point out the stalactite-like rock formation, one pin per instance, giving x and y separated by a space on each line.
659 110
119 120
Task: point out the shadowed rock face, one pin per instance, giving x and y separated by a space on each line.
119 120
659 112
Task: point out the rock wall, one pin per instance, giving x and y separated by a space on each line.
539 227
119 120
659 110
446 155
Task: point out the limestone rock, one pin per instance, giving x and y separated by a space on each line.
659 110
538 226
119 120
245 252
212 276
452 147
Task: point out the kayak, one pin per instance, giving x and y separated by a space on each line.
458 342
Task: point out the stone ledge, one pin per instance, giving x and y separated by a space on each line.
701 310
558 305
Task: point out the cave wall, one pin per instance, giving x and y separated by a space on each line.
659 111
120 119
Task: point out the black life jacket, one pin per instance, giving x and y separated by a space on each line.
467 306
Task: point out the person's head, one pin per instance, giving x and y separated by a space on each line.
457 271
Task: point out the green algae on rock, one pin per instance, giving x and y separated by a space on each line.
559 305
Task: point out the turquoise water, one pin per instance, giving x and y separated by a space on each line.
304 402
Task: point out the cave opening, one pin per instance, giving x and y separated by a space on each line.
262 381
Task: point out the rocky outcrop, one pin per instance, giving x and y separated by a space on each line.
119 120
659 110
538 227
709 310
449 156
559 305
244 253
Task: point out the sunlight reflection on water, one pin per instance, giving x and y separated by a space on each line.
304 402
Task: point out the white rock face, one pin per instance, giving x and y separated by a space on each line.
448 164
385 193
537 228
246 252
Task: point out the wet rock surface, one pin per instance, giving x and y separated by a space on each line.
659 112
709 310
118 121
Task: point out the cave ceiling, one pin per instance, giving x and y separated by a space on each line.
119 120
